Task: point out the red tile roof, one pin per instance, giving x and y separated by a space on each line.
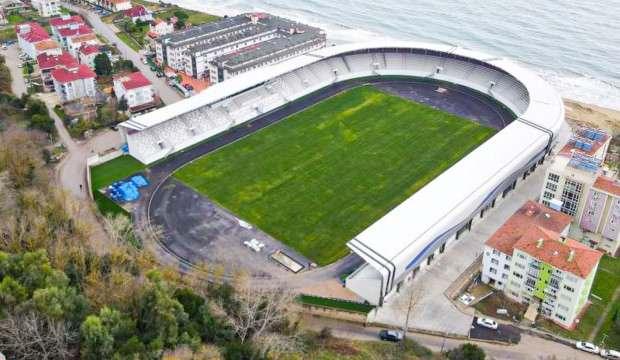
46 45
607 184
133 81
82 72
530 214
35 34
136 11
83 38
46 62
88 49
80 30
62 21
564 254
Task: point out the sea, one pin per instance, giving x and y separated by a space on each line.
573 44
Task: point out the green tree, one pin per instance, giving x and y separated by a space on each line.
60 303
466 352
161 315
122 104
97 342
103 67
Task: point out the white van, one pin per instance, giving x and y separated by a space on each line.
610 354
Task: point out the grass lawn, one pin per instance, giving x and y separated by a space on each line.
107 173
113 170
129 41
15 19
606 282
7 34
194 17
320 177
336 304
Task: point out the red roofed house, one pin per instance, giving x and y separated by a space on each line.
47 63
74 83
29 34
87 54
530 258
140 13
74 43
137 90
115 5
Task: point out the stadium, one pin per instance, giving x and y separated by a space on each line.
486 124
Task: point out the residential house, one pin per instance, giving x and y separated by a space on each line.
65 21
161 27
601 214
74 83
47 63
87 54
137 91
49 46
46 8
117 5
139 13
532 261
74 43
29 34
10 6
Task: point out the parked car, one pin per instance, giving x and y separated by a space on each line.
160 74
487 323
4 47
610 354
144 61
390 335
467 298
587 347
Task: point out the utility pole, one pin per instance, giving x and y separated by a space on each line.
409 308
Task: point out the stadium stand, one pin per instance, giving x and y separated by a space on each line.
485 175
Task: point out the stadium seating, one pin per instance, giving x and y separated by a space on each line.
189 128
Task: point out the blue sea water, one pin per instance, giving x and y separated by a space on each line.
575 45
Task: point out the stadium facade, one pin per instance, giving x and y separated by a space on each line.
406 239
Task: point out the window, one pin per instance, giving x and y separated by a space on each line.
520 265
570 197
566 287
551 186
494 261
554 177
495 252
517 275
506 267
521 256
547 195
530 282
504 276
493 270
563 318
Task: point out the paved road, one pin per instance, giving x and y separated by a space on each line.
504 332
71 171
18 86
530 347
167 94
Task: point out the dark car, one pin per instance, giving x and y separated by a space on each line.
390 335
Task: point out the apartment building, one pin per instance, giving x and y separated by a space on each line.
87 54
74 83
192 50
531 260
74 43
569 187
28 35
266 53
46 8
137 90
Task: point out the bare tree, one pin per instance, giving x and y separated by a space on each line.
278 343
32 336
406 303
258 310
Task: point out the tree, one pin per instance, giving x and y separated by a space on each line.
103 67
161 315
32 336
122 104
258 310
97 342
466 352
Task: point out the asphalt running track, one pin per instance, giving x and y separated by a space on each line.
199 231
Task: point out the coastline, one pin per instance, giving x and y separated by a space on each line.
578 112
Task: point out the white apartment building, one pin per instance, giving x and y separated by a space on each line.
569 187
531 260
29 35
192 50
47 8
137 90
601 214
74 83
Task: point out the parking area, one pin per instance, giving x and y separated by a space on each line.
503 333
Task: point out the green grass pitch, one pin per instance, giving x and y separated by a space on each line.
321 176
